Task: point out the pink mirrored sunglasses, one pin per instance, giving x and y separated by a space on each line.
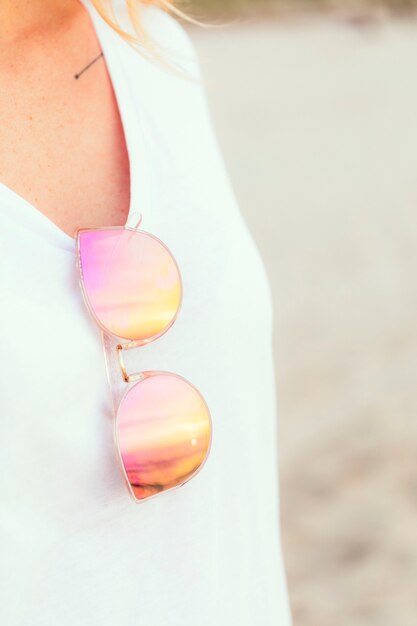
133 289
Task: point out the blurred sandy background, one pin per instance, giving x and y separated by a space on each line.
317 120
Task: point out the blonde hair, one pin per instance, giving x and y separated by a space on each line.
140 39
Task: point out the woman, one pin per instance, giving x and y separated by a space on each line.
95 135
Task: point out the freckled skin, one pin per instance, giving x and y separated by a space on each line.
62 145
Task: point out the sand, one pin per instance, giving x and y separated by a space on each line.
318 125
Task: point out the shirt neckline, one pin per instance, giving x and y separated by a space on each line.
134 136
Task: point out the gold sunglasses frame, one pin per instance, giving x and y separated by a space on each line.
129 345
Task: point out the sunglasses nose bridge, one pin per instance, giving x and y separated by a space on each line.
120 348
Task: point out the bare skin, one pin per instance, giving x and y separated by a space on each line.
62 146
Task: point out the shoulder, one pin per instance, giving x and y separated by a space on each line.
166 28
168 87
164 34
174 110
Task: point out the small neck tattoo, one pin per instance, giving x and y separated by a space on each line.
77 76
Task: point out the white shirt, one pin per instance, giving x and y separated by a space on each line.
75 550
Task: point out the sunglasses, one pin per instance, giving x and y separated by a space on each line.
132 287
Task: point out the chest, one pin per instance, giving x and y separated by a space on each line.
62 146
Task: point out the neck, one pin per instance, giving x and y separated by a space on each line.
22 18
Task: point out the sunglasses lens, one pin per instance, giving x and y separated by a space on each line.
163 431
131 282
